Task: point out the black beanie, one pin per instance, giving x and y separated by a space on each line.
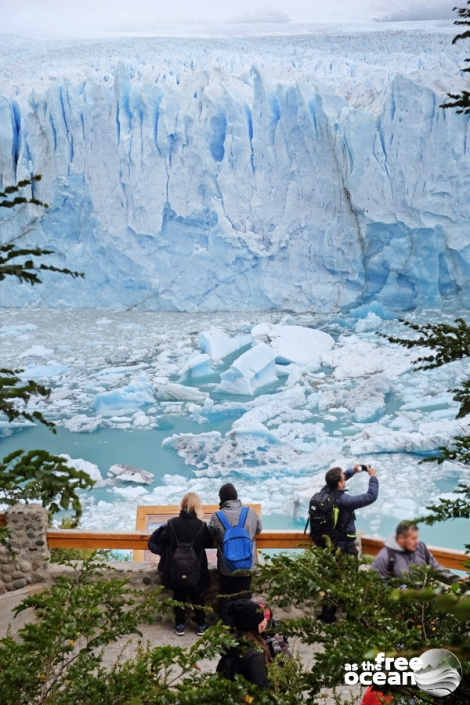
227 492
246 614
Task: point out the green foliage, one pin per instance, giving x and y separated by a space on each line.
460 451
450 342
13 392
286 676
40 476
462 395
378 618
27 271
18 200
60 660
461 100
456 508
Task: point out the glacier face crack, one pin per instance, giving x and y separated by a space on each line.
301 173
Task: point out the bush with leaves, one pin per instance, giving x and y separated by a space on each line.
61 659
378 618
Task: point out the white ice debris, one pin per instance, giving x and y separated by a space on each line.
253 369
178 392
128 473
303 346
81 423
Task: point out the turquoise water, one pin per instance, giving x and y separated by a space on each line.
143 449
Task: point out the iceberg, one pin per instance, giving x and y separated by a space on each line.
127 473
252 370
198 365
132 396
217 344
306 172
297 344
79 464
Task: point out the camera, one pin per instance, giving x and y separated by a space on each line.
364 468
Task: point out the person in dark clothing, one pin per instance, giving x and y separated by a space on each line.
346 504
251 657
187 528
232 586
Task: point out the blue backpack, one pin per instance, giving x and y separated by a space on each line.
237 547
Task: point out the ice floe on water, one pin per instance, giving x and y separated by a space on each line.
268 402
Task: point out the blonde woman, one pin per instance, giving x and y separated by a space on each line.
184 561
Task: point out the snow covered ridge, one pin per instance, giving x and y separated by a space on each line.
306 172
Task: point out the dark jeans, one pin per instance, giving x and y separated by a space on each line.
328 612
232 588
197 600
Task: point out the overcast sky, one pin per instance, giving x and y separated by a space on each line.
112 12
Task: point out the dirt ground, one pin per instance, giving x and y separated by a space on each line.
162 633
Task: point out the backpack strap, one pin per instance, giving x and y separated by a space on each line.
391 561
185 543
427 555
223 520
242 517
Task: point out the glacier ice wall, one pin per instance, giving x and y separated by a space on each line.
314 172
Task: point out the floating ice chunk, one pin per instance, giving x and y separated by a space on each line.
198 365
254 369
370 322
217 344
103 321
37 351
117 356
128 473
43 371
174 479
79 464
141 419
132 396
303 346
59 395
281 402
178 392
81 423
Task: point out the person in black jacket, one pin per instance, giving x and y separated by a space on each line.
251 657
190 530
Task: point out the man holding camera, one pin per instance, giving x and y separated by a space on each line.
347 504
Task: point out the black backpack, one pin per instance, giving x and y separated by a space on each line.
185 569
323 518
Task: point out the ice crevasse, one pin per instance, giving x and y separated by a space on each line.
304 172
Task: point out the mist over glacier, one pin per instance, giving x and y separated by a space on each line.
311 171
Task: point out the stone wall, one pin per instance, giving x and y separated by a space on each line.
26 561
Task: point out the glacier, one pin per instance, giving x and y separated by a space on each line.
311 171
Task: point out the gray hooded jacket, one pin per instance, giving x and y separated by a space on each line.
405 559
232 509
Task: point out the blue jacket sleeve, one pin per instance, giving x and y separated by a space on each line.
360 500
348 474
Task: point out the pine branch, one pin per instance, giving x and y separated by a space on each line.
12 389
450 342
460 452
27 271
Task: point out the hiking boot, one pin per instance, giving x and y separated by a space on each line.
179 629
200 629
